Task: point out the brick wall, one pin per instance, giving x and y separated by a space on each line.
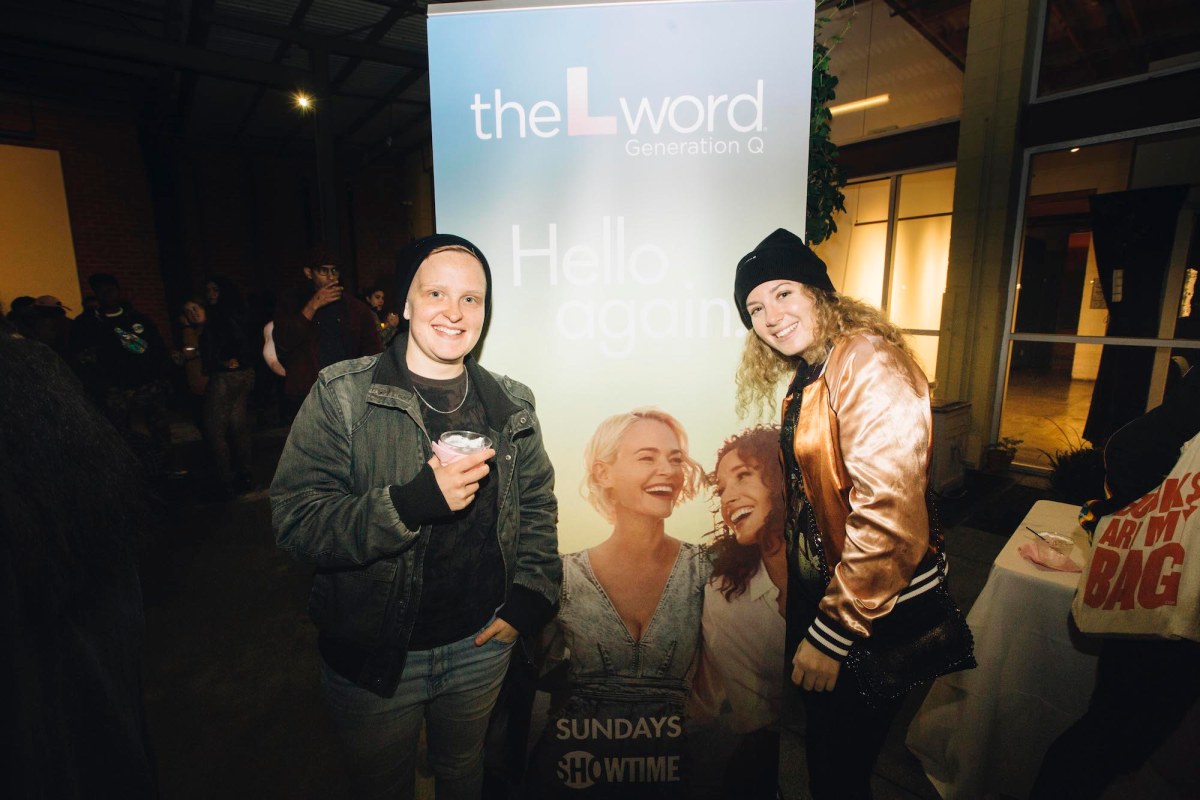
112 220
249 215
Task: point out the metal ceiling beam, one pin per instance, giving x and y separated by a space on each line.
24 26
378 32
914 15
398 89
296 21
330 44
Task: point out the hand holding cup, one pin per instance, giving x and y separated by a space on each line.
459 464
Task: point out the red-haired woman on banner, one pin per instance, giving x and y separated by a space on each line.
628 623
856 439
744 606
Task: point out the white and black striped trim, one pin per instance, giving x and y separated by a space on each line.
835 641
921 584
831 641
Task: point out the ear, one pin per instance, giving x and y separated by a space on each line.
602 474
407 312
308 273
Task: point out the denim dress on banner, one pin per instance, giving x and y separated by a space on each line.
621 732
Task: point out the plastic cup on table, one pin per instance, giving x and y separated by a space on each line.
453 445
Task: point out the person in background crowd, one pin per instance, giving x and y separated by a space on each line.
191 322
228 354
43 320
744 606
427 572
1145 686
374 297
72 525
124 357
266 401
318 325
856 439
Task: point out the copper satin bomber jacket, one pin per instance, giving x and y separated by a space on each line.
863 442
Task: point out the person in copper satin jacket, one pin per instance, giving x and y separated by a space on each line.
856 442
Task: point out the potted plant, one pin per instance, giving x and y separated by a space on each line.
1076 473
998 455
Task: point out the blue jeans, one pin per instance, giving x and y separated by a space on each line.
452 689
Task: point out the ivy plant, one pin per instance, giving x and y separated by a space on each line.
825 175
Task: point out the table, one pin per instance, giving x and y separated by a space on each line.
983 732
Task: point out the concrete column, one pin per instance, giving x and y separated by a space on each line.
986 190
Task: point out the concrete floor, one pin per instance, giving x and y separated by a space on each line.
231 660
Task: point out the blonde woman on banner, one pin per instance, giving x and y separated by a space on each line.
629 623
744 606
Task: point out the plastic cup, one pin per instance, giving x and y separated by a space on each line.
1058 542
453 445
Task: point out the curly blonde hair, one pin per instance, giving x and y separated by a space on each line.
602 447
838 317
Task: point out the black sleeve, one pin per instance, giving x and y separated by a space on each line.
1141 454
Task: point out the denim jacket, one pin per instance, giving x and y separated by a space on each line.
352 471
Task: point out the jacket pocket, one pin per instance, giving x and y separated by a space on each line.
352 604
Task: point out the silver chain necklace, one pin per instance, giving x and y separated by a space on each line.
466 391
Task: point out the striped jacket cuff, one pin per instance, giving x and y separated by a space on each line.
830 638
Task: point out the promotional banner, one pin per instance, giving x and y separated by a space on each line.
614 161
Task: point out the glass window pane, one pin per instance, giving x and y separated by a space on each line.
924 193
925 349
919 272
1059 396
872 201
893 61
1087 42
1106 249
854 256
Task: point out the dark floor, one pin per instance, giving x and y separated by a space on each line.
231 660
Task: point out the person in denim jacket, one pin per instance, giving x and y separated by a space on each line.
427 572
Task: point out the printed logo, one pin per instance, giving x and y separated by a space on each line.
687 115
578 770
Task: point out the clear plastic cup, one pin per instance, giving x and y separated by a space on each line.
453 445
1058 542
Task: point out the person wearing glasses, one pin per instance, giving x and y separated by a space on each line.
319 324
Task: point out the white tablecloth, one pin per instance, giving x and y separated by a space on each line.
983 732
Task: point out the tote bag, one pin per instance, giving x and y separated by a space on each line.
1143 576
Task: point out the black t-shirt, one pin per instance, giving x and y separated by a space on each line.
463 572
331 321
129 351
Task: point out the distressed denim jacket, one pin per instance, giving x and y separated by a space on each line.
352 469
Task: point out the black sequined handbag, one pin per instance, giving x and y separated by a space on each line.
924 637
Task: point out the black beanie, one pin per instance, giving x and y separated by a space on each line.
782 256
412 256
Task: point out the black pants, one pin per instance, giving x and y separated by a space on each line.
1144 688
844 735
226 427
843 738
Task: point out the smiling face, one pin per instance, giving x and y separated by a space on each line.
745 499
646 476
783 314
445 313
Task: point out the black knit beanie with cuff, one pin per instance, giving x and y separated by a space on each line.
782 256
